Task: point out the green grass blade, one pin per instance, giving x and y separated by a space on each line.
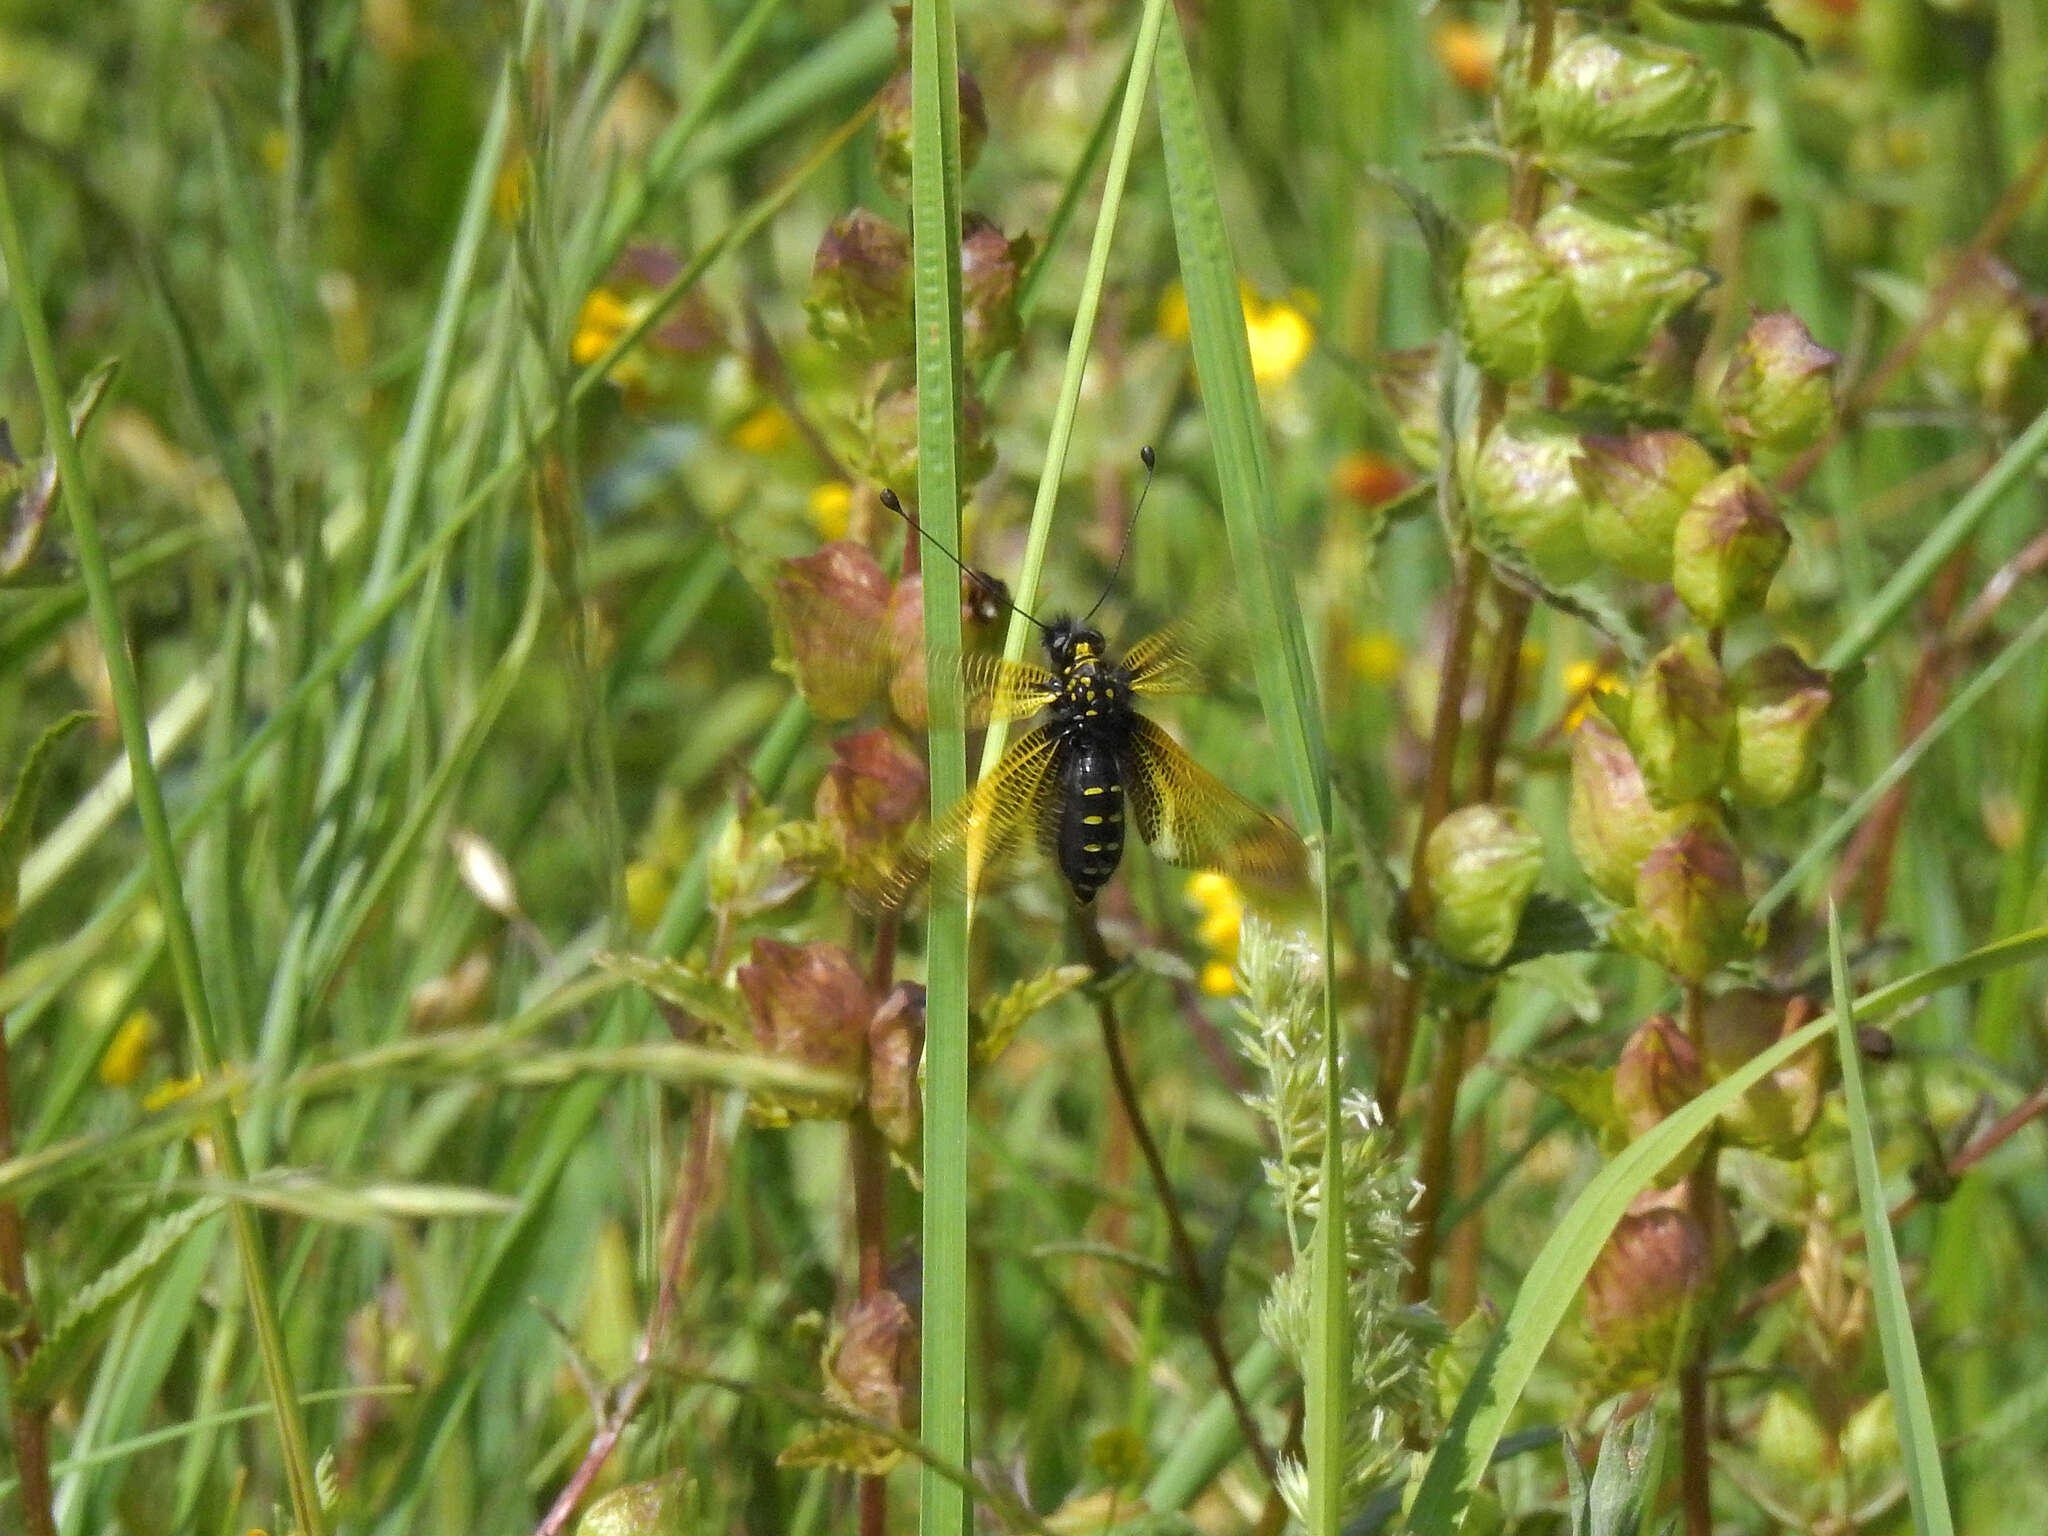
935 284
1919 1447
1279 646
163 853
1966 699
1498 1380
1061 433
1963 519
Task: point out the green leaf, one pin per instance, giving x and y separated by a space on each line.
1551 925
21 810
72 1337
685 987
1001 1019
1920 1447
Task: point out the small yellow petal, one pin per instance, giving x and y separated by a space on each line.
648 887
598 324
1376 656
1219 932
128 1052
1218 980
1172 319
164 1094
1209 889
1280 338
767 430
831 508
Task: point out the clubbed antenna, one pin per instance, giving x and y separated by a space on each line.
985 584
1151 462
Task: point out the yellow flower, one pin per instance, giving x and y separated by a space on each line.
1218 980
1221 904
1210 890
128 1052
1280 336
168 1093
1219 932
767 430
648 887
1376 656
603 319
1583 680
1467 55
1172 319
1279 333
831 508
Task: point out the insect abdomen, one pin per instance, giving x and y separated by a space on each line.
1091 824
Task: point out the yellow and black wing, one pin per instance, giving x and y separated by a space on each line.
1190 655
991 688
988 824
1189 817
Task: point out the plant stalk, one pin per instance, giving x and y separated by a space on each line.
1186 1258
30 1420
1694 1426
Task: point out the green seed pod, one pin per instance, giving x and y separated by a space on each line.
1613 824
1778 393
1624 283
859 301
1646 1294
1511 297
1779 1113
1480 865
1729 545
1411 380
1986 335
1636 488
892 131
1691 905
659 1506
1781 722
1519 487
1680 723
1659 1072
1792 1444
991 264
891 445
1619 118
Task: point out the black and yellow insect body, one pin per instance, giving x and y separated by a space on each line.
1094 765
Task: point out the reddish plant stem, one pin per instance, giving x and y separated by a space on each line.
1694 1416
1867 864
701 1165
30 1420
870 1160
1186 1258
1468 1238
1397 1044
1503 689
1433 1172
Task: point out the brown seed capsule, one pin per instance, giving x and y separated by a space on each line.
1680 723
1646 1293
1613 824
1778 392
875 788
1659 1072
1728 546
1510 297
809 1005
1520 489
1412 382
1480 866
1624 284
1778 1114
829 607
991 264
892 131
1781 721
895 1048
1637 487
1691 906
859 299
